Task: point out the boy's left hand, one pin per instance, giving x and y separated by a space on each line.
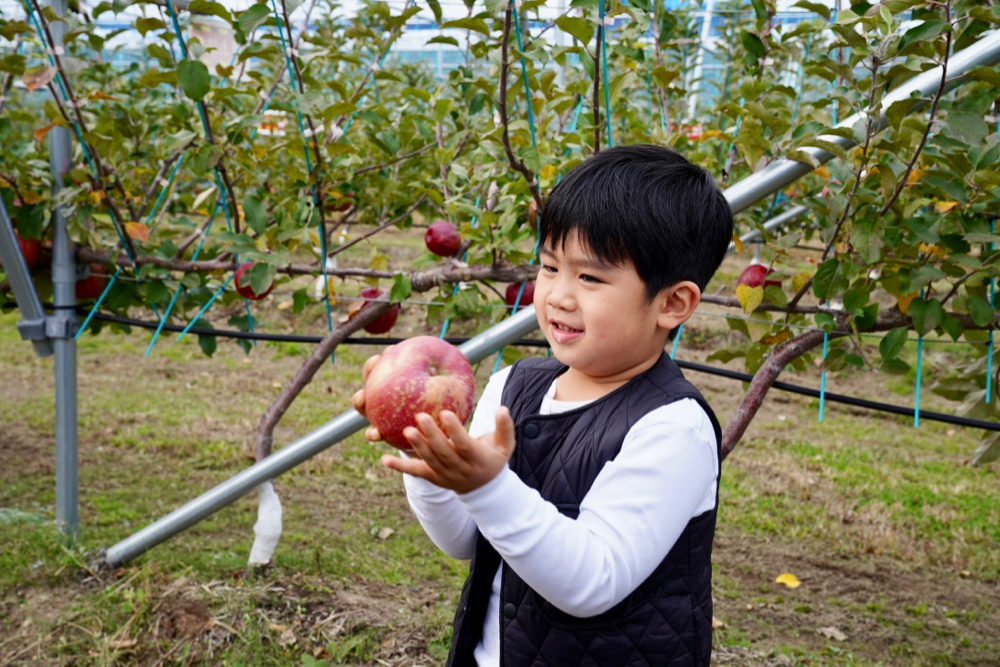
452 459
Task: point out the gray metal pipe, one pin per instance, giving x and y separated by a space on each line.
780 173
32 326
476 349
752 189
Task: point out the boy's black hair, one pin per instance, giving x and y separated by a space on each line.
645 205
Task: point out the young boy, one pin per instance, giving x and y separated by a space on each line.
585 488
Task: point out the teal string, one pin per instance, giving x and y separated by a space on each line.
97 304
607 87
524 76
677 339
194 258
822 377
207 305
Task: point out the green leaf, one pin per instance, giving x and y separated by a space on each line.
401 287
822 10
261 276
926 315
986 74
252 18
952 326
924 32
144 25
194 79
892 343
441 39
979 310
255 213
826 279
207 342
436 8
899 109
153 77
210 8
473 24
895 367
752 43
13 64
299 300
577 26
966 127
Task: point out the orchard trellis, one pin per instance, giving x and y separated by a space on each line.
903 212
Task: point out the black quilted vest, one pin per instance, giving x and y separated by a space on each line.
668 619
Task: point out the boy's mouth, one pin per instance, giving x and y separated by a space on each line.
564 333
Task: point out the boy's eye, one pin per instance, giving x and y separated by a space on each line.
547 267
590 279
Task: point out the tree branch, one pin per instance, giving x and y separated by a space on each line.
393 161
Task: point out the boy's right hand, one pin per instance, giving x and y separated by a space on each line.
358 400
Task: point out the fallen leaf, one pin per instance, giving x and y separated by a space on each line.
716 623
385 533
749 607
36 78
137 230
789 580
831 632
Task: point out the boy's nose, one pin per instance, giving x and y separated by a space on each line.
561 297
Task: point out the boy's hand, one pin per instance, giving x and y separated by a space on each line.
455 460
358 400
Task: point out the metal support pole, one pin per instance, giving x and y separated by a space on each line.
62 326
778 174
32 324
742 195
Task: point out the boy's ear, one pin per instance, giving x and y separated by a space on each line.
676 304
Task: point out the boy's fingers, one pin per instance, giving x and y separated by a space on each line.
372 434
441 443
456 431
369 365
414 467
415 437
504 435
358 401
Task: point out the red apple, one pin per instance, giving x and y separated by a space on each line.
421 374
31 250
527 297
442 238
93 284
245 290
753 276
387 320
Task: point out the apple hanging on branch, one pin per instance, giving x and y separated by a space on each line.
421 374
243 283
527 297
385 322
442 238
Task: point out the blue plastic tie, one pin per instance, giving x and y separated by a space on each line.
989 335
207 305
677 339
97 304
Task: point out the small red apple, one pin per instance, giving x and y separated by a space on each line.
92 285
244 288
442 238
527 297
753 276
387 320
421 374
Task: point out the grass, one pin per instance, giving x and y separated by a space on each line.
894 540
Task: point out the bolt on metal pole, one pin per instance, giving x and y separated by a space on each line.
61 327
760 185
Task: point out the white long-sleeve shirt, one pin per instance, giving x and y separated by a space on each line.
639 504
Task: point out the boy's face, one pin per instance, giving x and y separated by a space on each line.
596 315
